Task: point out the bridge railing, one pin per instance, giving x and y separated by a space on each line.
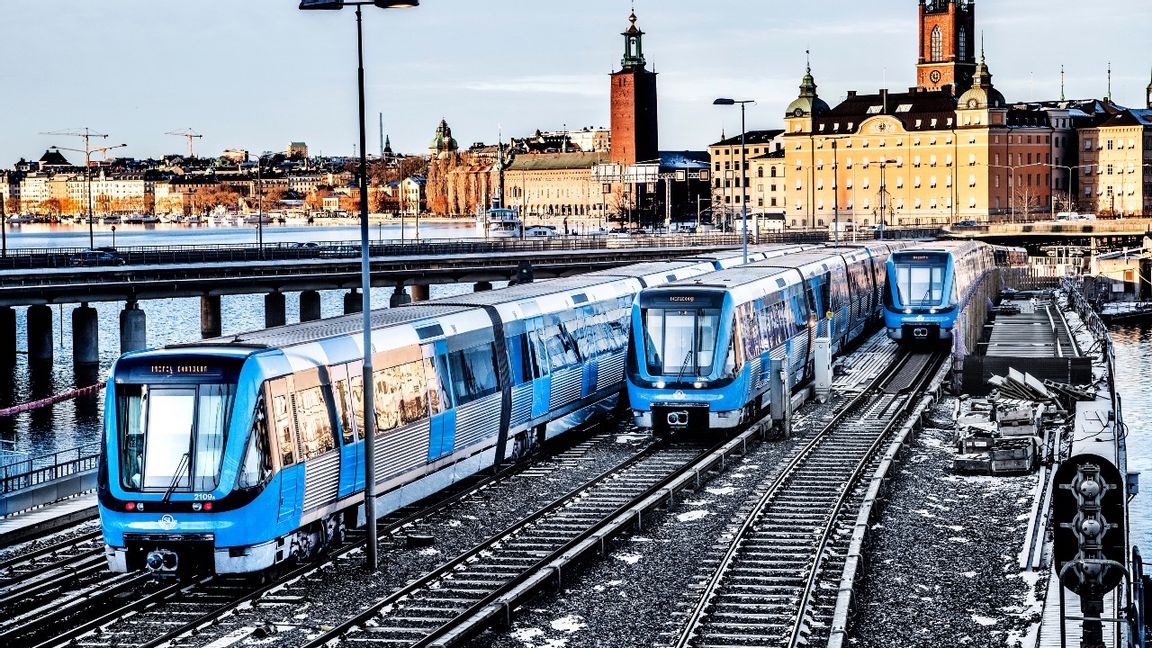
36 471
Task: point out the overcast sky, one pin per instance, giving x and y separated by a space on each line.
257 74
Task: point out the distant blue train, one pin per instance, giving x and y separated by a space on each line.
238 453
703 347
929 284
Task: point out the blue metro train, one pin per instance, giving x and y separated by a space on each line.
237 453
930 283
703 347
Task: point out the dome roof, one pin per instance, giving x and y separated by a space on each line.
982 94
443 140
808 103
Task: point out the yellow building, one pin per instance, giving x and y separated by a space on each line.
765 181
1115 169
922 157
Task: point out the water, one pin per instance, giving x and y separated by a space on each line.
71 423
1133 376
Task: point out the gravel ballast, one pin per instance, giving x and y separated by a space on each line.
942 562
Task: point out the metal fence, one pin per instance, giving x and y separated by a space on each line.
28 258
42 469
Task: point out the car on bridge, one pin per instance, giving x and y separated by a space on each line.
89 258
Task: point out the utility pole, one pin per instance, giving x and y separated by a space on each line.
189 134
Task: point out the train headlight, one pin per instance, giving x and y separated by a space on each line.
196 506
907 311
130 506
698 384
932 310
659 384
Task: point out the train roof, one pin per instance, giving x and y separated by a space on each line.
345 325
807 262
942 246
657 271
733 277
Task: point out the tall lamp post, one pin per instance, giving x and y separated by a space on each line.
743 166
1068 188
88 175
365 270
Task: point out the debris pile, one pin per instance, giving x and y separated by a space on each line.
1007 433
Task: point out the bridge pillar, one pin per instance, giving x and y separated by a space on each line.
85 335
133 328
39 334
482 286
419 293
210 316
7 335
399 298
309 306
274 310
353 302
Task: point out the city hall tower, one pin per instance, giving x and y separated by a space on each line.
634 124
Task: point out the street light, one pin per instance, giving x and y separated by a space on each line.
365 270
1014 183
743 165
1068 189
87 151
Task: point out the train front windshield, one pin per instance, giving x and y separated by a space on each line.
680 342
171 437
919 280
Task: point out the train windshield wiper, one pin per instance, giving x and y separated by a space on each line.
684 365
176 477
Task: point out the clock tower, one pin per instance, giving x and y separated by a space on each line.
947 45
634 125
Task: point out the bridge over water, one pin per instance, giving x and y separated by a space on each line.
39 278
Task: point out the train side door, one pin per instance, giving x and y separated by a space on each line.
350 418
284 431
442 415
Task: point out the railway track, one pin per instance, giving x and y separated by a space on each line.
770 585
136 610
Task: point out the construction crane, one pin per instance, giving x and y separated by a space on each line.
190 134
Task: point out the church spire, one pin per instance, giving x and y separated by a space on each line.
1150 95
1061 83
633 45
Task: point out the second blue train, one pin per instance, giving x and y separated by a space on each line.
703 348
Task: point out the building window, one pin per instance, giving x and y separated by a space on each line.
760 172
937 44
1109 145
963 44
773 173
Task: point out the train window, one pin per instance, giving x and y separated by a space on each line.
212 408
680 342
313 423
282 421
132 439
473 373
413 392
439 398
172 437
386 397
343 410
539 354
171 415
257 465
356 380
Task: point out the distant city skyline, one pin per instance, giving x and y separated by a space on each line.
259 74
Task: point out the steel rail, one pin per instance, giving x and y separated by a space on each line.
703 608
346 627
